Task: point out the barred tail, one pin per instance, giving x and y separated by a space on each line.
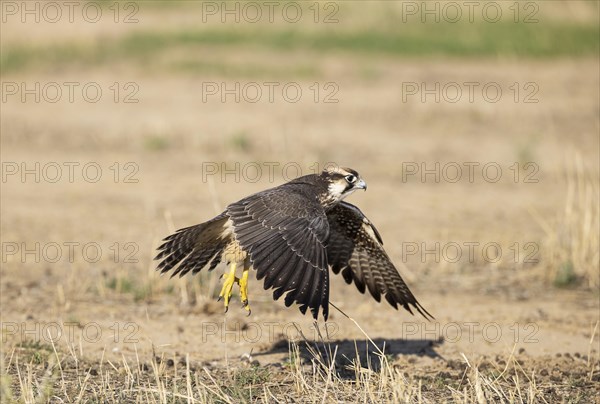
192 248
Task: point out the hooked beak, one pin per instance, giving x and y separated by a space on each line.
361 184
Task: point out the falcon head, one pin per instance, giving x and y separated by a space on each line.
341 182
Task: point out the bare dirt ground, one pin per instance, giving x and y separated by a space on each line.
85 317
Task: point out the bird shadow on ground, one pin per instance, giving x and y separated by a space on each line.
347 353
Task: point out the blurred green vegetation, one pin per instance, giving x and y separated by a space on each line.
565 276
156 142
503 39
245 70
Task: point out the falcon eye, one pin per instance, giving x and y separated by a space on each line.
351 178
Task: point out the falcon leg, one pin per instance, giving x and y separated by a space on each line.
244 289
230 279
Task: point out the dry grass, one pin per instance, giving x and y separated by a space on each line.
572 240
312 373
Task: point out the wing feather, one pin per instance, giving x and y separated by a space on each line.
299 294
284 231
356 250
296 274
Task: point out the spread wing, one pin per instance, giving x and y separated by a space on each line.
284 231
355 248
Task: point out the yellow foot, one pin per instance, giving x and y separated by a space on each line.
244 290
230 279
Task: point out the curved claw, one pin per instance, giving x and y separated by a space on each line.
246 306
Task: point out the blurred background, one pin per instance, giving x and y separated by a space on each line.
475 125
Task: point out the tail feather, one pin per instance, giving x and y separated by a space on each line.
191 248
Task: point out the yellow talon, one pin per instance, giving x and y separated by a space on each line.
244 289
230 279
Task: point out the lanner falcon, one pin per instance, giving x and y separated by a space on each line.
291 235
